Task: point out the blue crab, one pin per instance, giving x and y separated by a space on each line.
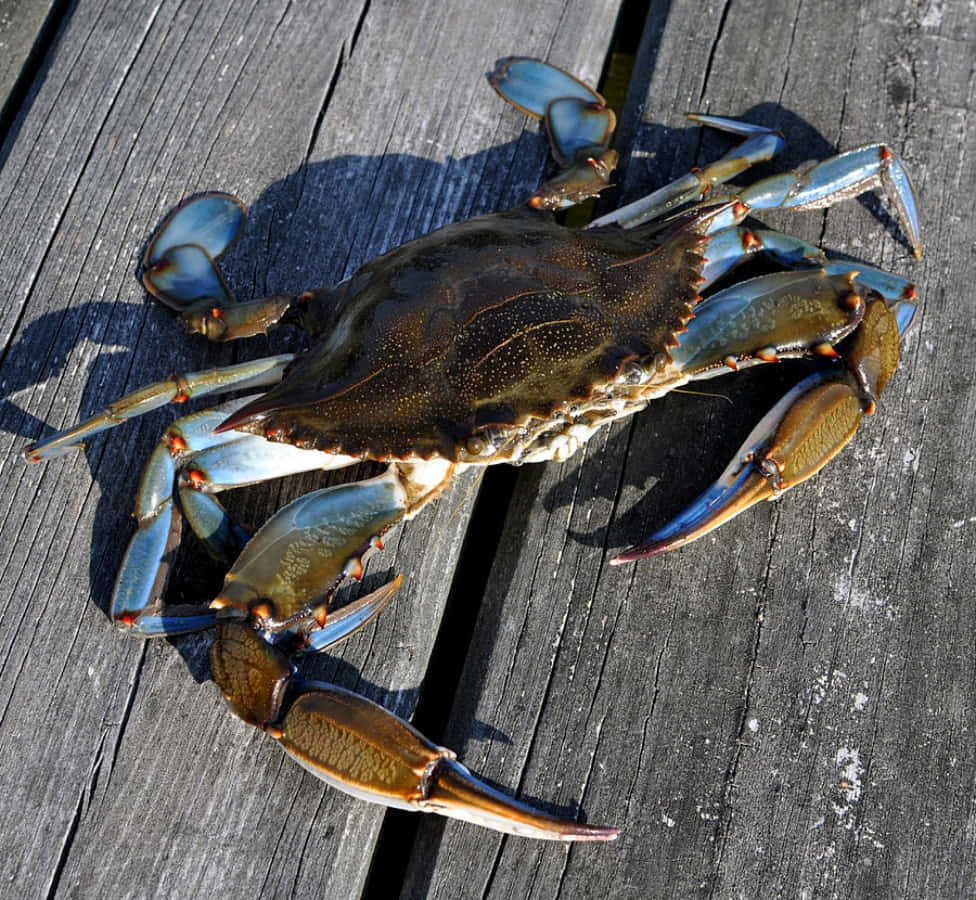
506 338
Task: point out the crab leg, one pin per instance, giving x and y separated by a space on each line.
363 749
241 460
760 144
839 178
342 738
756 321
577 120
203 463
138 585
223 321
731 246
806 429
175 389
136 598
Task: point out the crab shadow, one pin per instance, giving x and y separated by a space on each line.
304 231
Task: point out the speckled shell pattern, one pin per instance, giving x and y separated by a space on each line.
469 342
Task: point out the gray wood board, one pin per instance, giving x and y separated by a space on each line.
21 36
786 707
347 128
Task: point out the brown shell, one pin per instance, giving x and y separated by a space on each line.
492 322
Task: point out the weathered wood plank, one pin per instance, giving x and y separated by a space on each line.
21 26
348 128
783 708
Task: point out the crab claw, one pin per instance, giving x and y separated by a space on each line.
363 749
795 439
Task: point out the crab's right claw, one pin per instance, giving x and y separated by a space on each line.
363 749
798 436
179 265
578 122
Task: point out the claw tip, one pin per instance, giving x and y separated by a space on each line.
638 552
595 833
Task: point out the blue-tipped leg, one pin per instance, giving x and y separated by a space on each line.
899 188
184 276
731 246
733 126
179 264
840 178
139 584
211 221
577 126
243 459
759 145
176 389
236 461
221 536
531 85
168 624
904 314
137 598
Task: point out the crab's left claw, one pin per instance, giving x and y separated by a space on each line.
364 750
803 432
578 122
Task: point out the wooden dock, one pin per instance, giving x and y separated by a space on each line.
784 709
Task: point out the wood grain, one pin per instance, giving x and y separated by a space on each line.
783 708
776 710
123 775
